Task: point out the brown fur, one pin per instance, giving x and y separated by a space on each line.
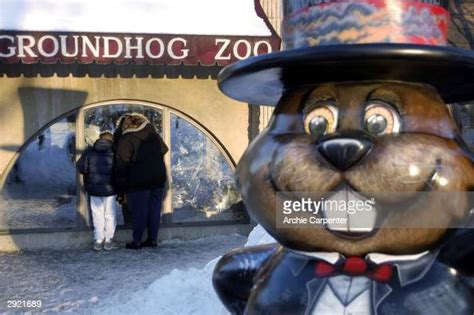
285 158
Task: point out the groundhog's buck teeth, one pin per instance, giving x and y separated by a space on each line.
358 212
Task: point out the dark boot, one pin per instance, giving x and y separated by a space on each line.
149 243
133 245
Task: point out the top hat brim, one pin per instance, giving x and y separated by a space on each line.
262 80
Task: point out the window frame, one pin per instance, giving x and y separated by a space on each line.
82 208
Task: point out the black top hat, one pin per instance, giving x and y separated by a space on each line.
356 40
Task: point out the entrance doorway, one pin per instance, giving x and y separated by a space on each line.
43 190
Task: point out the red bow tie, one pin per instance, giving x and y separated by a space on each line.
355 266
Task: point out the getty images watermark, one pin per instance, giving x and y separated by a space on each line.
348 210
319 210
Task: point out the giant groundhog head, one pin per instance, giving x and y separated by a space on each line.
361 138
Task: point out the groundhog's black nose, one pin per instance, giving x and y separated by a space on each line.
344 150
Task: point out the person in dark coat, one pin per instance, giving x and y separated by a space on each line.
140 173
96 164
127 216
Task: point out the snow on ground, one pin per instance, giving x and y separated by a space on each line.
180 292
188 291
85 282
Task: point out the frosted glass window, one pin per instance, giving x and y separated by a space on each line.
203 186
40 190
104 118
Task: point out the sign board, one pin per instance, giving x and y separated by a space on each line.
153 49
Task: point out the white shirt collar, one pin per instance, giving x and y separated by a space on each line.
333 257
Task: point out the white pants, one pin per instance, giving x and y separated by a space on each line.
103 217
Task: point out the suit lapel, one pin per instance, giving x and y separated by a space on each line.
408 272
412 271
314 289
380 291
296 263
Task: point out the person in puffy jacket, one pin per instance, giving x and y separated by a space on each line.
96 164
140 174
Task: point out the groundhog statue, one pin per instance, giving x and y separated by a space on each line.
361 175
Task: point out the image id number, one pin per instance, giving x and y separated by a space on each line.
24 303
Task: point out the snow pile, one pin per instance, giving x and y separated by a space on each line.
259 236
181 292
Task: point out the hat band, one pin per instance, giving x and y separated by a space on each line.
366 21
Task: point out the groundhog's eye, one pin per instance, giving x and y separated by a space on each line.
381 118
320 121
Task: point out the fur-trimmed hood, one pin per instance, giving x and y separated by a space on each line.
134 122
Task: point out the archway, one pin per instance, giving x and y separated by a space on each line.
43 191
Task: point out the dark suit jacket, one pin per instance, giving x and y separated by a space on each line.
271 279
